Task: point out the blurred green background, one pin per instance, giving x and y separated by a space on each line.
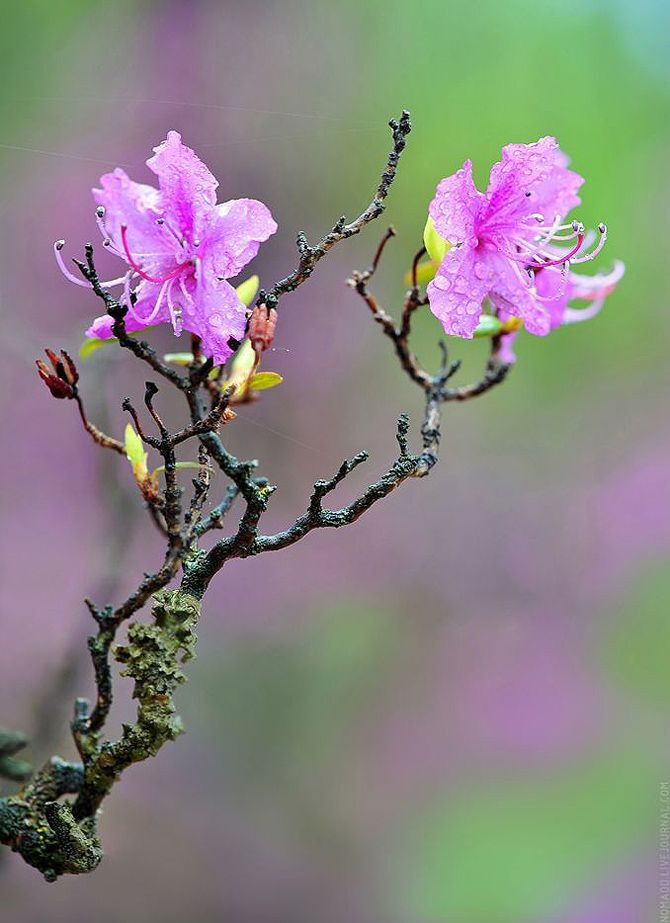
458 710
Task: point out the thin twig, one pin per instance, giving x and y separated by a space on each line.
309 256
102 439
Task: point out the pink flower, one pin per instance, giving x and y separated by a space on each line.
558 288
508 242
181 247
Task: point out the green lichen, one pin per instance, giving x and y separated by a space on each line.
60 837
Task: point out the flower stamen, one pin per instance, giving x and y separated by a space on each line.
162 223
138 269
107 241
70 276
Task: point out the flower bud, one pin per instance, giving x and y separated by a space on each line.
134 448
62 377
262 326
69 368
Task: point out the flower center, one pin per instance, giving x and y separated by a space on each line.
178 270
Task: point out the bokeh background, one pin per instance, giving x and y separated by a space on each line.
457 710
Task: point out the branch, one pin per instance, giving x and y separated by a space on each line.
152 657
247 542
214 519
117 312
60 838
309 256
496 370
100 438
11 743
211 422
201 486
316 516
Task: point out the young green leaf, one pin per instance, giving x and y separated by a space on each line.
488 326
161 468
261 381
178 358
135 453
425 273
91 345
436 245
246 292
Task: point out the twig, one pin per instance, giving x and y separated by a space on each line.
117 312
102 439
309 256
214 519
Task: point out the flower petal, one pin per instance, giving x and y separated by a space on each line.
531 178
557 195
136 207
506 352
598 285
554 291
457 205
514 298
557 293
101 328
577 315
236 230
188 189
215 313
456 293
141 316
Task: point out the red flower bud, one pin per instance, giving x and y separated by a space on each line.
69 368
262 326
62 377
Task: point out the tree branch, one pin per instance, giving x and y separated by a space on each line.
309 256
117 312
60 837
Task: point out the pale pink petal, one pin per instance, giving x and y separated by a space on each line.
188 189
234 235
557 293
101 328
577 315
531 178
514 297
215 313
506 352
554 290
557 195
598 285
456 293
140 316
135 206
457 206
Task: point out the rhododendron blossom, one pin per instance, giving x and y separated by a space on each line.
512 245
181 248
558 289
